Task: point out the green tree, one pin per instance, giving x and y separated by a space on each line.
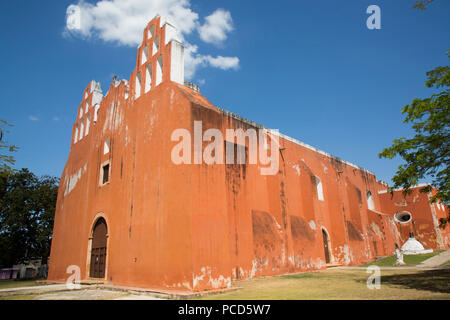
427 154
27 209
5 148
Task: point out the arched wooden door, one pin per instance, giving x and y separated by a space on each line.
98 251
326 246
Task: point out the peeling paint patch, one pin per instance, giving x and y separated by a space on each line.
119 119
206 275
312 225
127 136
187 285
401 204
72 181
172 96
343 254
307 264
109 119
297 168
376 230
258 266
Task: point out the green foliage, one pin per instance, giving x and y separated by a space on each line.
5 148
422 4
27 209
427 154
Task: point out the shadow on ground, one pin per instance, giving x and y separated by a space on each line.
431 280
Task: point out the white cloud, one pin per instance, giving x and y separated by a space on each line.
224 63
33 118
123 22
216 27
194 60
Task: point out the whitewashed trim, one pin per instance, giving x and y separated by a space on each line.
421 185
298 142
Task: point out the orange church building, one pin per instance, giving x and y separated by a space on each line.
129 215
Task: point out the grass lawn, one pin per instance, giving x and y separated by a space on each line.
344 284
332 285
410 260
445 264
8 284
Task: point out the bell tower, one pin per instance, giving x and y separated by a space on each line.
160 58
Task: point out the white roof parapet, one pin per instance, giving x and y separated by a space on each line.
176 61
192 85
171 33
97 94
95 86
383 183
298 142
421 185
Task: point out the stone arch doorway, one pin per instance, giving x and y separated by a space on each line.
326 246
99 242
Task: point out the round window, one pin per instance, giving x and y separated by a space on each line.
403 217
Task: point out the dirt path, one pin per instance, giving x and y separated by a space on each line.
436 261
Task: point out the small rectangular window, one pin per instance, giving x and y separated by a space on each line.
138 86
105 174
370 202
155 45
159 70
88 124
106 147
81 130
319 188
151 31
148 78
76 135
97 107
144 57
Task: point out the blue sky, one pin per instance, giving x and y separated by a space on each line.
311 69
